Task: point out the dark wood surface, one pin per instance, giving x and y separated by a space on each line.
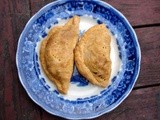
144 101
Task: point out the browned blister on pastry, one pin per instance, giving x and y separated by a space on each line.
58 53
92 55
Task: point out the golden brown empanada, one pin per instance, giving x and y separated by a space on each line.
58 53
42 52
92 55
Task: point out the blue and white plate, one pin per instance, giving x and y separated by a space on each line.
83 100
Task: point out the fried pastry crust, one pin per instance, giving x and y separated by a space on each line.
92 55
56 53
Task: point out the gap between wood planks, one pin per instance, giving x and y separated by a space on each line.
146 86
30 9
147 25
156 25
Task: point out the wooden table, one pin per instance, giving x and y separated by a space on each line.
144 101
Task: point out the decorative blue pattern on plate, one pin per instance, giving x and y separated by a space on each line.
89 107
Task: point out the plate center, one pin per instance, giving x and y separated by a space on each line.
79 87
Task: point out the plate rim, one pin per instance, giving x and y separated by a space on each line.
43 9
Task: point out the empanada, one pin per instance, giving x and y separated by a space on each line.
92 55
42 52
58 54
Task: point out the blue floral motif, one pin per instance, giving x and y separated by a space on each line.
130 65
68 107
48 15
41 20
36 86
79 80
28 46
99 105
37 27
111 97
109 100
88 7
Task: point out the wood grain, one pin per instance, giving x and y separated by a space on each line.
14 6
36 5
7 73
138 12
149 39
140 105
14 102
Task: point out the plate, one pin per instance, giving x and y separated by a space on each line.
83 100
